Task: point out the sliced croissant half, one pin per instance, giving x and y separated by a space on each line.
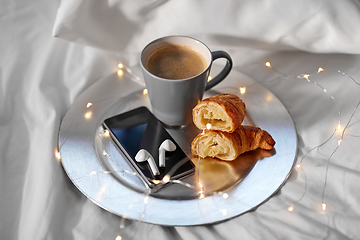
228 146
222 112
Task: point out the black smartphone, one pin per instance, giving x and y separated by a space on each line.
140 129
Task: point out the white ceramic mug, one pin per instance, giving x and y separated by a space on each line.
172 101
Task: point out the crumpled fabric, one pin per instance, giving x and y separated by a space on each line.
313 26
52 51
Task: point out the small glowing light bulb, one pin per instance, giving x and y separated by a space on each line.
223 211
291 208
338 126
269 97
339 142
209 78
166 178
306 76
88 115
156 181
145 91
106 133
57 155
268 64
120 72
104 152
201 195
120 65
320 69
88 104
298 165
225 195
146 199
208 126
242 90
201 192
118 238
323 206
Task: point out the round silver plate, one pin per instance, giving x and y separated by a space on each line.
99 172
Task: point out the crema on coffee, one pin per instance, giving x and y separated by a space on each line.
175 62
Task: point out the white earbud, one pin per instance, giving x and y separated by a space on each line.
166 145
142 156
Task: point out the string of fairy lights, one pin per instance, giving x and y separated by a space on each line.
336 129
242 90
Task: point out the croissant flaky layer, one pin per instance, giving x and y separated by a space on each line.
224 112
228 146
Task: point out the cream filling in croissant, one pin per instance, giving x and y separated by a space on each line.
215 117
215 146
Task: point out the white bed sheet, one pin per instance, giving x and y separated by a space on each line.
42 75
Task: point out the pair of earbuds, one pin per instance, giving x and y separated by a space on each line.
142 156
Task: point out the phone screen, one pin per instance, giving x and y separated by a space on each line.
140 129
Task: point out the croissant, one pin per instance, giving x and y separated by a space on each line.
228 146
223 112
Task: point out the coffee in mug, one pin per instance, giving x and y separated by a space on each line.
188 61
175 62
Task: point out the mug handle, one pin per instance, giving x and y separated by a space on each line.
226 70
